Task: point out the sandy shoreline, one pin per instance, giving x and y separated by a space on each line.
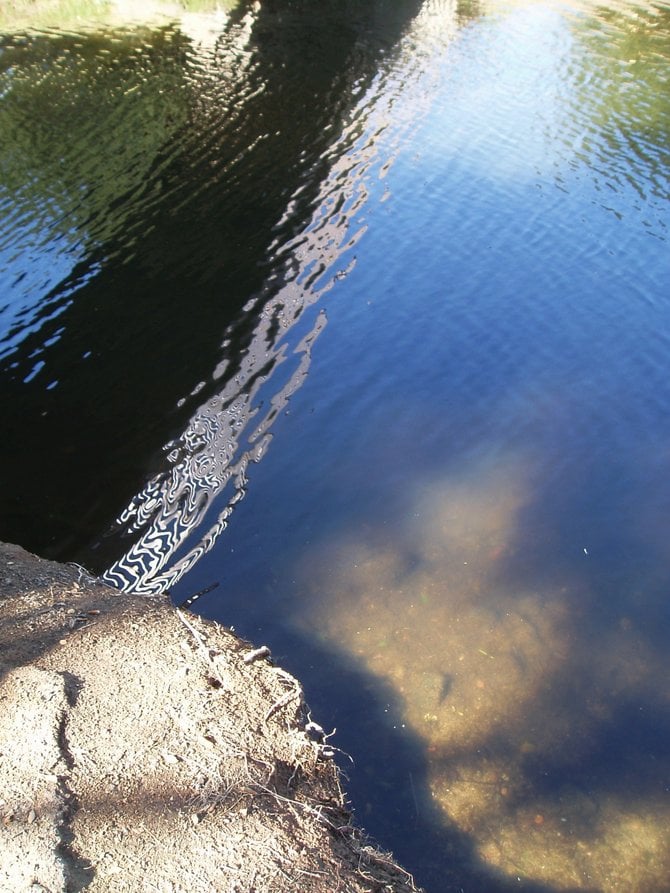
142 748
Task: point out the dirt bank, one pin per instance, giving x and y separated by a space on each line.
144 749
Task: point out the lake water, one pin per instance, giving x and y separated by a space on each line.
358 324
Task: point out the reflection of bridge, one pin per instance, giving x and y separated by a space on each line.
206 259
209 461
206 476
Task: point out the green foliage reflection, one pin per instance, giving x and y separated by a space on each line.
75 106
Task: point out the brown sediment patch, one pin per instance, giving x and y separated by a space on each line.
523 713
140 751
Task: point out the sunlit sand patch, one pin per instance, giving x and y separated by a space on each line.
471 519
575 835
502 684
587 843
427 614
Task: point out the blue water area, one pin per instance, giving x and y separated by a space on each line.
380 368
491 390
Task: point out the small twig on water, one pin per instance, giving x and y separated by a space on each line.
416 802
196 595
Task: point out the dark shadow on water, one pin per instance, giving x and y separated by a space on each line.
625 759
385 770
190 259
628 756
605 760
152 319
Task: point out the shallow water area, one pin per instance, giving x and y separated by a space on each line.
544 732
353 329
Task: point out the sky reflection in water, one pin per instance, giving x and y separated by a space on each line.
499 469
463 495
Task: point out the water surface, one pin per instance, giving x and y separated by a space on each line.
367 335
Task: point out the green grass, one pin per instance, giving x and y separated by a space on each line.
23 15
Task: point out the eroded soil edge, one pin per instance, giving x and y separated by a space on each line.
142 748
